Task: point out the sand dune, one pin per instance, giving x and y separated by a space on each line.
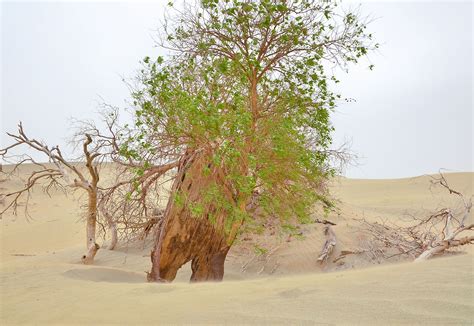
43 282
438 291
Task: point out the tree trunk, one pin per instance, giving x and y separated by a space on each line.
92 246
184 237
112 227
209 267
113 235
444 245
88 258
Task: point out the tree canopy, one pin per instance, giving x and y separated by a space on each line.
247 83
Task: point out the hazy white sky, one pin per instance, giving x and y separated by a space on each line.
413 115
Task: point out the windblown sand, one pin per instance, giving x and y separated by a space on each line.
43 281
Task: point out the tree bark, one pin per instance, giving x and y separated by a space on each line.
92 246
91 218
444 245
92 192
184 237
209 267
88 258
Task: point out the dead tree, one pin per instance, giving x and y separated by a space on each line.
425 237
128 198
453 228
59 173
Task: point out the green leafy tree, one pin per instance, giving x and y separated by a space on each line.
242 110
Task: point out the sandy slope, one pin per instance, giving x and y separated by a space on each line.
43 282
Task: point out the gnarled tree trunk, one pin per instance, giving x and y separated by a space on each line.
184 237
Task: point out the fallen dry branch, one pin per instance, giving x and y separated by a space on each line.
324 221
328 246
248 262
22 255
445 245
424 237
345 253
266 256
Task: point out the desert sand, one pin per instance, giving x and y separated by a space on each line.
43 281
